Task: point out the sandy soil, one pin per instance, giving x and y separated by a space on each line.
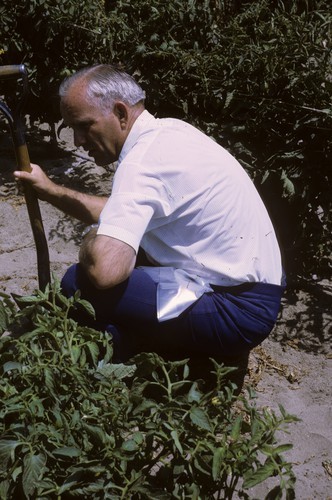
293 367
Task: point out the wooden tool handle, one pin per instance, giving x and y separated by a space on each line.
43 262
19 72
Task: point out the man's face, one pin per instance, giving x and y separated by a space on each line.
99 133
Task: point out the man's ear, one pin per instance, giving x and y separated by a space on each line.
120 110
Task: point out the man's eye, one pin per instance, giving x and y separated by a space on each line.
84 126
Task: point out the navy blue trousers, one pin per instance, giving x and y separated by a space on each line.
224 324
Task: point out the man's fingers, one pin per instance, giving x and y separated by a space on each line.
36 178
31 175
20 175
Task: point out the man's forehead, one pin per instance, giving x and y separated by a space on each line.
75 105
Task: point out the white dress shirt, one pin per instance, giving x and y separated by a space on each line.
191 206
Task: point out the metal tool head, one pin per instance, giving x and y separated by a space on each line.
16 72
12 71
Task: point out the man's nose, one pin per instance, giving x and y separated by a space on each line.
79 138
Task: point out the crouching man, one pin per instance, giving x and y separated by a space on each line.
210 280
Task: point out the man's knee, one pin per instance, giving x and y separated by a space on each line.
69 283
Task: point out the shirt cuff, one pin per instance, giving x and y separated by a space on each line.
120 234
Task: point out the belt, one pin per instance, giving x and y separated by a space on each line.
244 287
264 288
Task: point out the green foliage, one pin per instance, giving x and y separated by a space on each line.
51 37
254 75
73 424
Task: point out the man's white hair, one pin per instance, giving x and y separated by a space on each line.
105 84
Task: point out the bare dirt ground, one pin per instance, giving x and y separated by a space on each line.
293 367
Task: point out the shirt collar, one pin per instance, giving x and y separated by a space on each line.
140 124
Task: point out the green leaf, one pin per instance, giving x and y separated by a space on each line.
199 417
138 437
282 448
49 379
94 351
177 443
4 321
4 488
33 469
27 299
218 463
76 352
82 358
130 445
202 466
68 451
11 365
288 186
194 394
118 370
16 473
146 404
96 433
261 474
87 306
7 452
36 407
73 480
229 98
78 375
236 429
146 362
178 470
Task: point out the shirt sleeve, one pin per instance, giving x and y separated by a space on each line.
127 214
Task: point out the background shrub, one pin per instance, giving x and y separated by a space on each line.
254 75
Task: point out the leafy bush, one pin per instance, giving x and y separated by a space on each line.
73 424
51 38
254 75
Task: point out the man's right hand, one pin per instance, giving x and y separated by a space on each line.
38 180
